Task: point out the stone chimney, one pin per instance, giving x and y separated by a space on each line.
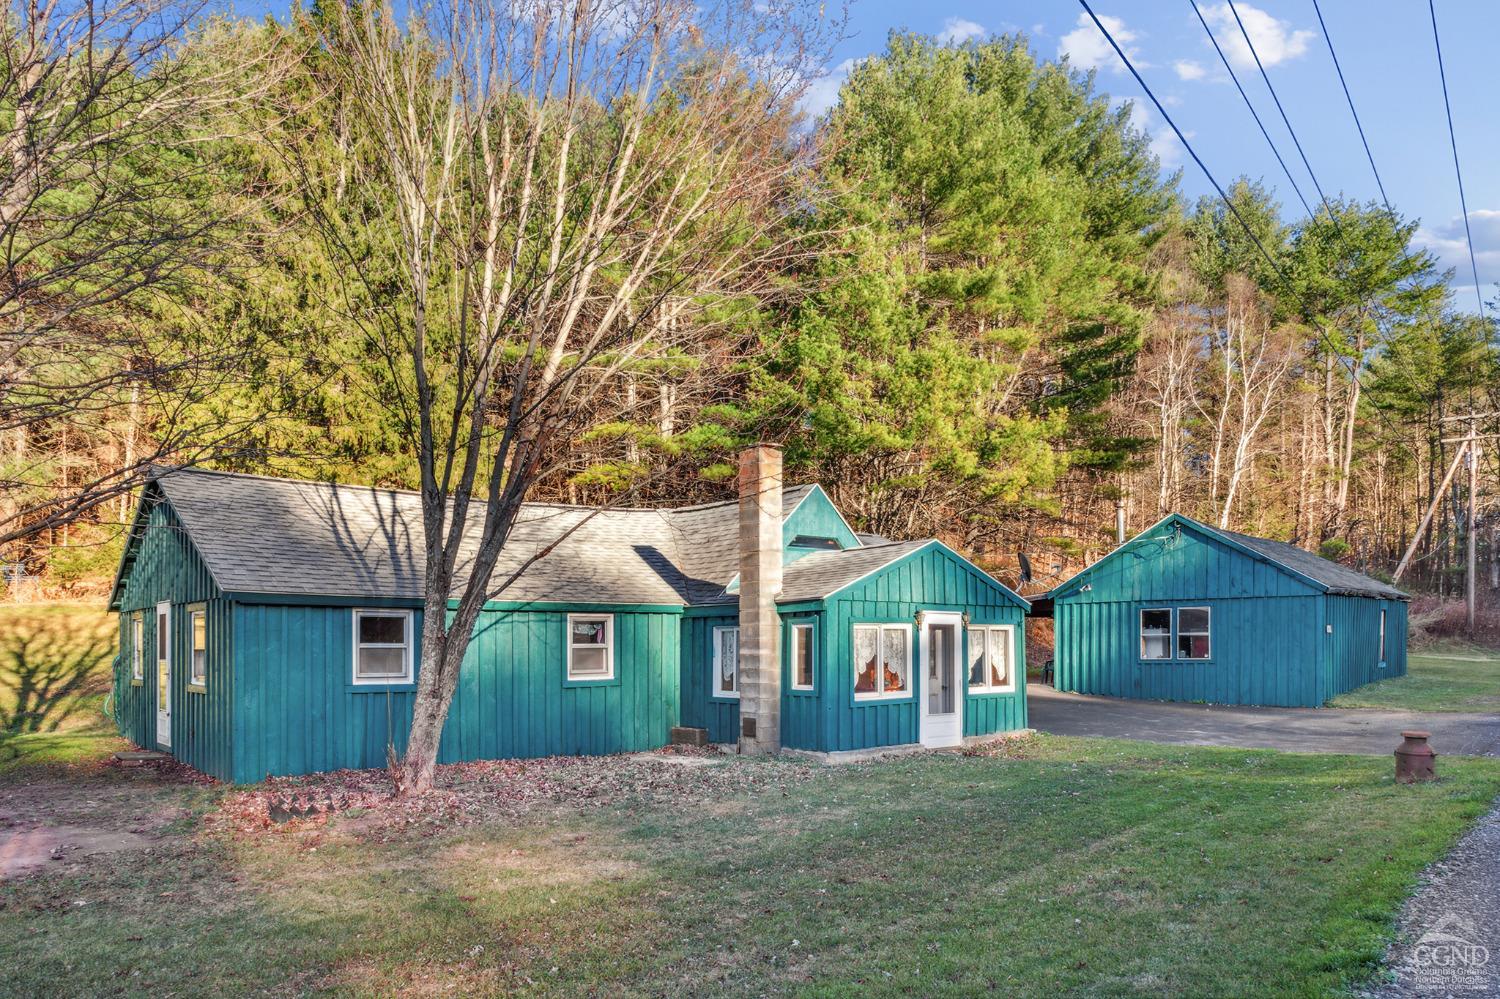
760 582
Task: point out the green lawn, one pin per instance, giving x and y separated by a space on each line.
54 679
1056 867
1457 679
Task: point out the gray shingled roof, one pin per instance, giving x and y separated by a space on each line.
815 576
285 536
1338 578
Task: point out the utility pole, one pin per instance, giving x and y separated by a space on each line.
1469 577
1468 450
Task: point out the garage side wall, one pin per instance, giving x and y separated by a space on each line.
1354 655
1264 651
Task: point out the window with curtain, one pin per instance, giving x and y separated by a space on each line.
992 659
726 662
882 660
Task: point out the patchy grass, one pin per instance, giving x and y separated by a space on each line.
1446 679
1052 866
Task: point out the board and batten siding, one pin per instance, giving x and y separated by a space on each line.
1264 650
720 716
301 712
168 568
930 579
1353 657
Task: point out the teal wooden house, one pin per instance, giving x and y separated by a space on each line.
1188 612
271 626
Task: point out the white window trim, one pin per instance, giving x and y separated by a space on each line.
1140 635
194 682
138 648
813 650
882 694
717 657
1009 687
1382 659
1177 634
609 650
406 646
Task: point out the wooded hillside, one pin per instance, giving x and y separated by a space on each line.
968 300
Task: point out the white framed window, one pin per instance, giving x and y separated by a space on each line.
882 661
591 642
726 657
1194 634
1156 633
802 657
137 647
992 659
382 646
198 662
1382 637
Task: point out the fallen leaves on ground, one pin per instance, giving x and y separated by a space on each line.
485 790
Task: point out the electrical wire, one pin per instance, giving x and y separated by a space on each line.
1253 113
1349 97
1275 267
1453 141
1284 119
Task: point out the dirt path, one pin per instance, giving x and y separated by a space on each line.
102 809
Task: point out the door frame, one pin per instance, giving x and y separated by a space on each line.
163 693
944 733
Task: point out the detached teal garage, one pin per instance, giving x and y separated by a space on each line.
1188 612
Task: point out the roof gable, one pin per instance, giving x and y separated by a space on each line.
1311 571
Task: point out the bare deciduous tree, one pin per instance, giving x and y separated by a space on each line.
563 188
109 218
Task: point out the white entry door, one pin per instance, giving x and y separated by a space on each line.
942 694
164 674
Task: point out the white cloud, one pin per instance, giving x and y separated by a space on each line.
1087 48
1187 69
1448 243
823 93
1275 40
1164 144
957 30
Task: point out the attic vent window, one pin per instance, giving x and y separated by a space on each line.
823 544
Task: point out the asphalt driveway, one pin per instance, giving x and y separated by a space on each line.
1304 730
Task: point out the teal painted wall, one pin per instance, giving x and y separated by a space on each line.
300 712
167 567
930 579
1265 650
1269 640
700 709
1353 649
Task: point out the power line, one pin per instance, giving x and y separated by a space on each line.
1348 97
1253 113
1275 267
1285 120
1453 141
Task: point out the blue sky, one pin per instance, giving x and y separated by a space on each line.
1385 47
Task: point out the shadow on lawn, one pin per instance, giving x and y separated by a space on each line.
49 675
